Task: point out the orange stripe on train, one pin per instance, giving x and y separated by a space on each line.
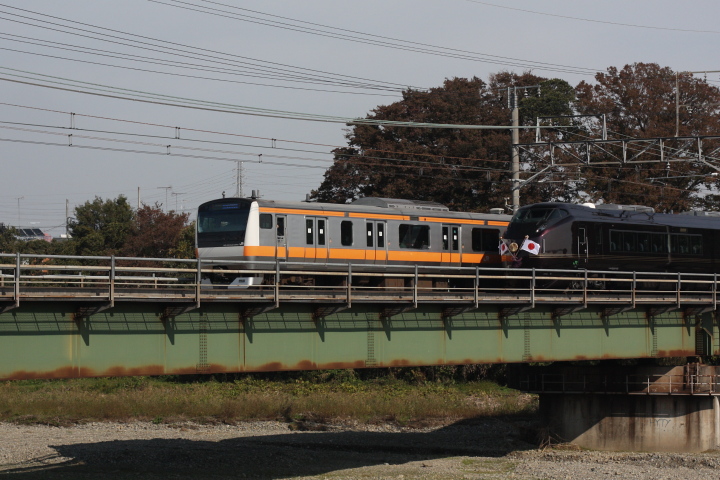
365 254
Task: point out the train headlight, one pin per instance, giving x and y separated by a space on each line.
513 247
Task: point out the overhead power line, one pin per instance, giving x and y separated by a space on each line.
286 23
212 58
65 84
606 22
175 74
273 145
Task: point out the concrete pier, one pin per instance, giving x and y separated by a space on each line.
644 408
669 423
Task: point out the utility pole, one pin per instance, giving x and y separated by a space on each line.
166 195
175 194
239 180
67 216
18 199
515 140
513 103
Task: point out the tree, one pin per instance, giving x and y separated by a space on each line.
185 247
156 234
101 227
8 242
463 169
639 102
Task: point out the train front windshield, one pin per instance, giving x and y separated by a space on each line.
532 220
223 223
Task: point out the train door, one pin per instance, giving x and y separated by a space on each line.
582 243
450 252
316 244
281 250
375 242
321 240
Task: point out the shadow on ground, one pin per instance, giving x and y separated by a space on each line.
292 454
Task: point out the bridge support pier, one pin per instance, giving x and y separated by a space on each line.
641 408
669 423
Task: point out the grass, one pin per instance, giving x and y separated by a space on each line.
324 397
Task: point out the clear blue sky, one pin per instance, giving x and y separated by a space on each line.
318 57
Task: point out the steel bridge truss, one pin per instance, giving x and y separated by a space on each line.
702 150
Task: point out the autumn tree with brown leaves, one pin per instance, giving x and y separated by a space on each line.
464 169
470 169
639 102
155 234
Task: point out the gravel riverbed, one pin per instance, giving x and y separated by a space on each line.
478 449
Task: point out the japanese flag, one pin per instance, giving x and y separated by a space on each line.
530 246
503 248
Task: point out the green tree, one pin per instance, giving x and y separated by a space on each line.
639 102
185 246
101 227
8 242
463 169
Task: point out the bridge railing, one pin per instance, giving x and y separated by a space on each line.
121 278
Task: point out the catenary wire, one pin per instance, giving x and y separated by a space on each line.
184 102
124 67
606 22
175 47
408 46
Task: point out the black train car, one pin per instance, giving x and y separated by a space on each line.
615 237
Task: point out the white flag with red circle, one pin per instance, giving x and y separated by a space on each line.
503 248
530 246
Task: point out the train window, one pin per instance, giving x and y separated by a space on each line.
696 245
484 239
321 232
369 228
629 242
541 217
445 238
280 226
414 236
455 238
380 234
683 243
346 233
643 242
659 243
266 220
686 244
309 231
615 241
678 244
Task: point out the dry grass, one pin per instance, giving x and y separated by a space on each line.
171 400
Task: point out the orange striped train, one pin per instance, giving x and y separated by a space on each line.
323 236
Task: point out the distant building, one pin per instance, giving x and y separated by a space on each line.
29 234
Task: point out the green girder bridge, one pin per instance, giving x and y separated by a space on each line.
63 317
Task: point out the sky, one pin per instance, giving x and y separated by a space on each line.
158 100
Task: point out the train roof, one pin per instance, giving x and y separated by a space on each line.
378 206
636 214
